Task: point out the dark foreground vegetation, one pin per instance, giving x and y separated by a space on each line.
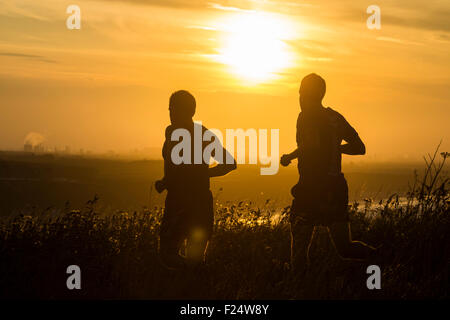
248 256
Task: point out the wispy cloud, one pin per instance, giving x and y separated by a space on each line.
166 3
433 16
436 20
202 28
14 9
225 5
26 56
320 59
228 8
399 41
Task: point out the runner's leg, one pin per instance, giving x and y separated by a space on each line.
197 244
201 229
301 235
172 235
347 248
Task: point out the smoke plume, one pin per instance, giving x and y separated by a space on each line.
34 138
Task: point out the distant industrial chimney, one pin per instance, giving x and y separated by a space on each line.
27 147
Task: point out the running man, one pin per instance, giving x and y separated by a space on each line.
188 214
321 195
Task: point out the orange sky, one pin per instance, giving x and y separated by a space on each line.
107 85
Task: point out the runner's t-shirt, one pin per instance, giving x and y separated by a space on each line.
186 178
319 136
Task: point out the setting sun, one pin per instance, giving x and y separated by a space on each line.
254 46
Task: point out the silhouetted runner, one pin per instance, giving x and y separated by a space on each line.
321 194
188 214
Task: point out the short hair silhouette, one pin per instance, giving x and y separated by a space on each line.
314 85
183 102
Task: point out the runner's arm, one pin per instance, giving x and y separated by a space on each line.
287 158
354 145
161 185
226 164
294 154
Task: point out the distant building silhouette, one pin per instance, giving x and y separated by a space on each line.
39 148
27 147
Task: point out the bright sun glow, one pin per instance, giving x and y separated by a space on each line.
254 46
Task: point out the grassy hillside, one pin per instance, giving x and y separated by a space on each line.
248 256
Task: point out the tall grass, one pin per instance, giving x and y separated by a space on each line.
248 257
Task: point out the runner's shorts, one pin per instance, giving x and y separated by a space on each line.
320 203
186 212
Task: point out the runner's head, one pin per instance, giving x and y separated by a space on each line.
181 107
312 90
